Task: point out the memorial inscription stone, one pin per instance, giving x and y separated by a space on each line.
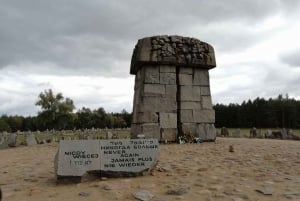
114 158
76 157
128 157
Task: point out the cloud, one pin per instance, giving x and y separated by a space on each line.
19 91
92 34
292 58
243 81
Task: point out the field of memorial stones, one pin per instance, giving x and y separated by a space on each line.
271 133
256 169
31 138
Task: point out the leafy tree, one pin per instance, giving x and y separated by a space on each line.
4 126
15 123
119 122
56 112
101 119
30 124
127 117
109 121
84 117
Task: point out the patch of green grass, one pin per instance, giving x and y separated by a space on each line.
296 132
20 139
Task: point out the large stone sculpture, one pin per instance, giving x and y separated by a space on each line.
172 92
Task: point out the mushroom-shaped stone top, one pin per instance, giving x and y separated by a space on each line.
172 50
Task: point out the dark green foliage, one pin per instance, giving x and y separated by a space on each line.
100 119
4 125
279 112
82 119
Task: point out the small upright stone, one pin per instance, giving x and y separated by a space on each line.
224 132
231 148
12 141
30 140
109 135
3 142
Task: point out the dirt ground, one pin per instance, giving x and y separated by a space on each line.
206 171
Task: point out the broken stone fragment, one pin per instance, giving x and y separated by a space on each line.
143 195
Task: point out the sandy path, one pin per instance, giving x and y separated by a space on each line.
205 172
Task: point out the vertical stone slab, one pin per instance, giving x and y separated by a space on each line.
154 90
151 130
190 93
151 75
168 134
206 102
190 105
167 78
147 117
185 70
201 77
190 128
167 69
12 140
168 120
171 92
135 130
206 131
185 79
30 140
157 104
204 116
205 91
186 116
3 142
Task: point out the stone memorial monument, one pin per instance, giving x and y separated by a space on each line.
113 158
172 91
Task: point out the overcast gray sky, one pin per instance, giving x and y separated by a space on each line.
83 48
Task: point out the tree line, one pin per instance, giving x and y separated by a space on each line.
57 113
280 112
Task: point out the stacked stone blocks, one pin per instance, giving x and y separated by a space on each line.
172 94
155 110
